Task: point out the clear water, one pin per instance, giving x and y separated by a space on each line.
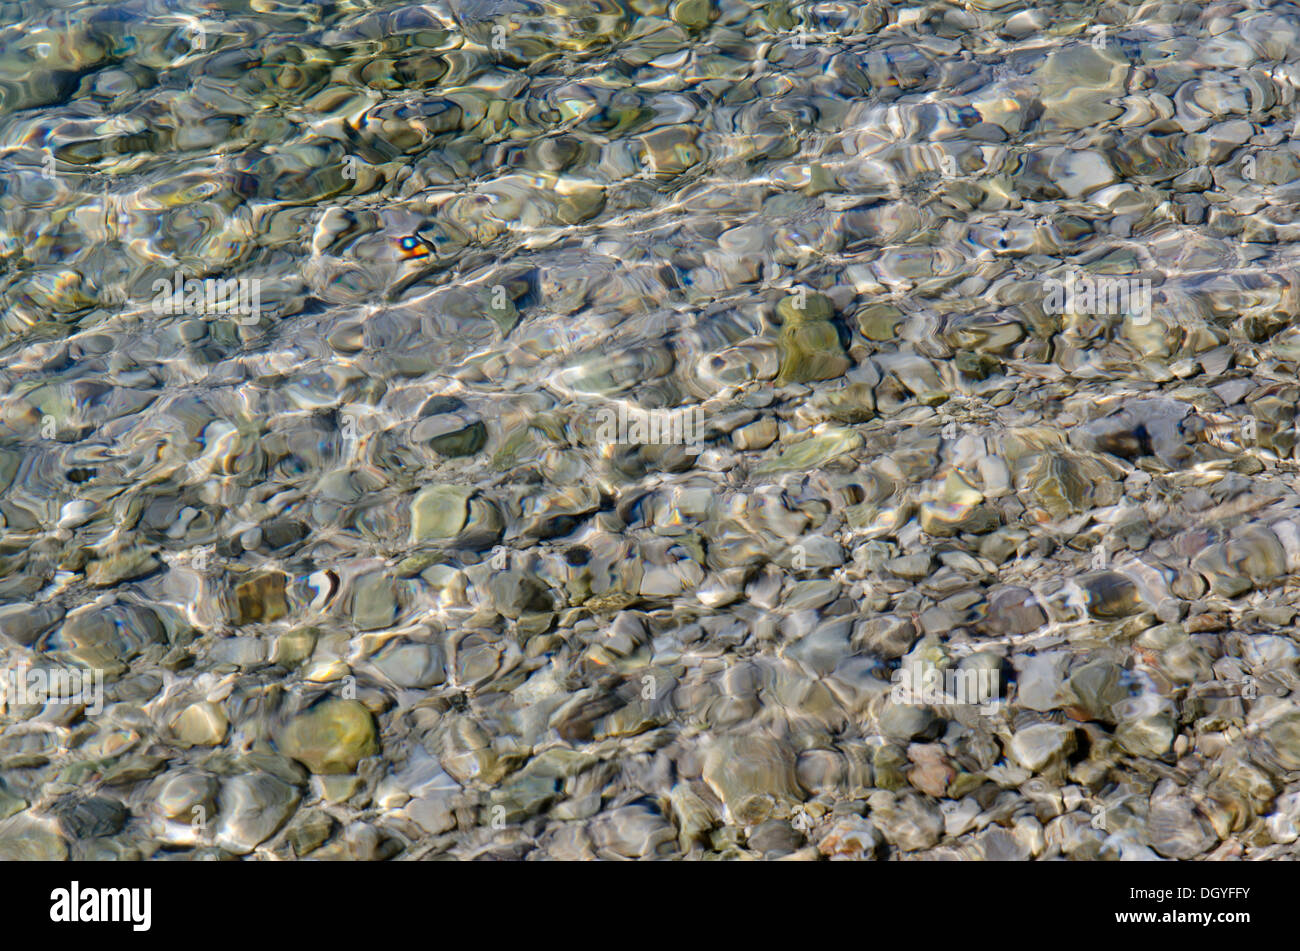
557 429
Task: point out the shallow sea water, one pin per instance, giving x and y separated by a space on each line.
594 429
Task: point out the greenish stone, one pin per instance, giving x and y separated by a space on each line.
777 17
671 150
108 637
809 343
813 307
522 796
505 316
977 365
275 764
854 403
692 14
309 831
294 647
561 762
1079 85
754 776
533 623
411 566
124 566
24 623
581 204
904 721
10 804
963 784
958 508
439 512
516 444
9 462
80 773
944 521
374 602
1282 738
331 737
813 452
134 769
461 442
880 322
24 839
339 788
889 766
516 592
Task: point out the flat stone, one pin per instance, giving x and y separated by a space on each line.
332 737
439 512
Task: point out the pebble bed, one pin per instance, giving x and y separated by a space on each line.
564 429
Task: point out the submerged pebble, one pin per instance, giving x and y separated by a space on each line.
502 430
